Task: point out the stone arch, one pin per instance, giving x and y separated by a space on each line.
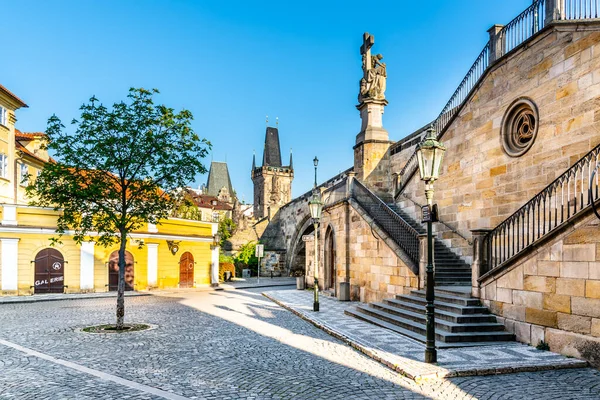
297 256
329 259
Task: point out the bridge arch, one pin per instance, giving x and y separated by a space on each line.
296 258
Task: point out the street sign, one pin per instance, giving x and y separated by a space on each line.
308 238
260 250
426 213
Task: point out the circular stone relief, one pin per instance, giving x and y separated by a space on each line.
519 127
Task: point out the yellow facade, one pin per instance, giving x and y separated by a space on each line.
25 233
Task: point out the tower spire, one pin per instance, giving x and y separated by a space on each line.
253 160
291 161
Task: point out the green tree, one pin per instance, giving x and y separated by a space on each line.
226 229
122 167
246 256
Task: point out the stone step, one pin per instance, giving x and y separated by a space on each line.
392 322
448 298
409 310
440 276
451 268
442 305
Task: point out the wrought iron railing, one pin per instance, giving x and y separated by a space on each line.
451 108
524 26
517 31
578 9
554 206
399 230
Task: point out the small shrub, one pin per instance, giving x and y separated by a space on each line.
225 259
543 346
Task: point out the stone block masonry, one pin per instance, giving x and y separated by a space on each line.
554 295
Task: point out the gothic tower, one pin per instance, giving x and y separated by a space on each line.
272 181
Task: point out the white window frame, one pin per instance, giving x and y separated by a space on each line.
3 116
23 171
3 166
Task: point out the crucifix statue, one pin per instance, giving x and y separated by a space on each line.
373 82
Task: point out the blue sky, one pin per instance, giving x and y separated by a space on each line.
234 62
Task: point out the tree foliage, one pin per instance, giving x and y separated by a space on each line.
226 228
122 167
245 257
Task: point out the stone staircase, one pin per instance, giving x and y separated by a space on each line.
450 269
460 320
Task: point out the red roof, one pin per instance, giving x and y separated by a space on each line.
207 201
28 135
12 96
24 150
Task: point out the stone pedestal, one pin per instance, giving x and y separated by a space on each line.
371 157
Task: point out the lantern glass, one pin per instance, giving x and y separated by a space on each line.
316 207
429 156
437 163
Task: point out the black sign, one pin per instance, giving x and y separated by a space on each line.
425 214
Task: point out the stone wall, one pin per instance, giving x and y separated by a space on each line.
554 295
480 184
363 252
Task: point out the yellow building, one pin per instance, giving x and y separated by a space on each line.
175 253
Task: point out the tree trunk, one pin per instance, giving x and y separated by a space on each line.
121 286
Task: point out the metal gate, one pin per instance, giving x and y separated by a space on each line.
49 272
113 271
186 270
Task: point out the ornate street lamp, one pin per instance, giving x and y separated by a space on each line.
315 205
430 154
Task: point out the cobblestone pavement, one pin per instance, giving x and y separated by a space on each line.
220 345
407 355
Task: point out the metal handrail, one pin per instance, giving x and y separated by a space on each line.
450 109
551 208
524 26
399 230
579 9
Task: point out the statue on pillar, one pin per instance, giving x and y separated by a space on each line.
372 84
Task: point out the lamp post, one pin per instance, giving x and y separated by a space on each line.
315 206
429 155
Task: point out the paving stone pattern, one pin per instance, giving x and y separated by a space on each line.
223 345
407 355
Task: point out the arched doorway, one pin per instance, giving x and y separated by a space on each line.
49 272
329 256
298 254
186 270
113 271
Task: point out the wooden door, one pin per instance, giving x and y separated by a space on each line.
186 270
49 272
113 271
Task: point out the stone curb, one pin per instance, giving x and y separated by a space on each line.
421 377
87 296
78 296
254 286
